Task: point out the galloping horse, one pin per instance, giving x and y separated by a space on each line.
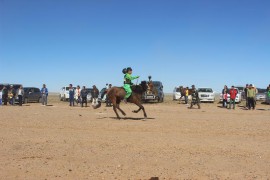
117 94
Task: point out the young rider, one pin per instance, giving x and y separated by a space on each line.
128 82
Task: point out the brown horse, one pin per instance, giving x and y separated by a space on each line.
117 94
183 92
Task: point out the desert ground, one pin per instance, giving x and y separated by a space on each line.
62 142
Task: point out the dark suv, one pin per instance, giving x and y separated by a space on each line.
31 94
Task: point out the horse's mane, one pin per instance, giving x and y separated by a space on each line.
137 89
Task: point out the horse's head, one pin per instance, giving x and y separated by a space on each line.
144 85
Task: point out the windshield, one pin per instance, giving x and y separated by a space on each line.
209 90
240 88
177 90
261 90
156 83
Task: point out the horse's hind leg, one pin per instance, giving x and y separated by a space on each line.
113 100
137 110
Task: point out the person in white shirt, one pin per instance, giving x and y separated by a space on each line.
20 94
78 95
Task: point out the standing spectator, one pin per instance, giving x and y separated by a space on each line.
94 93
44 95
225 96
195 97
78 95
20 94
84 96
251 93
5 95
1 97
268 92
108 101
233 94
71 95
186 95
11 95
246 89
268 88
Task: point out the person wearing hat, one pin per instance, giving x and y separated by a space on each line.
128 82
246 89
195 98
233 94
251 93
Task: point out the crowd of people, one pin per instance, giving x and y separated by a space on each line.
79 95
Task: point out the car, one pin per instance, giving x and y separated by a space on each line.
31 94
241 90
261 95
156 94
206 94
64 93
176 94
238 98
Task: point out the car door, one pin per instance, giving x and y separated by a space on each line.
36 94
30 94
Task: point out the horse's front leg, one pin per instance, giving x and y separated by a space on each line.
141 107
118 107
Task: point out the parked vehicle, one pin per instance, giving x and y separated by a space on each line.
241 90
31 94
156 94
206 95
102 98
238 98
89 96
261 95
64 93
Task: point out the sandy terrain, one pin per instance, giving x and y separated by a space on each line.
59 142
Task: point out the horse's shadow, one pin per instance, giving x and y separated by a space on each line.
131 118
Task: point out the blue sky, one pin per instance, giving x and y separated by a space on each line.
179 42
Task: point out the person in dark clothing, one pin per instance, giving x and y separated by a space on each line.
94 93
225 92
5 95
195 98
71 95
246 90
84 96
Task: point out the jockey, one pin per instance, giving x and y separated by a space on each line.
128 82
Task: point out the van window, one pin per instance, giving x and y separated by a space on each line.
36 90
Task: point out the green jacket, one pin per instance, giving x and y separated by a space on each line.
128 78
251 93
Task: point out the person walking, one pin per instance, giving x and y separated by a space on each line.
20 94
5 95
233 94
44 95
195 98
78 95
84 94
71 95
251 93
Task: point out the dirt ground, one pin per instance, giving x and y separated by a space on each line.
59 142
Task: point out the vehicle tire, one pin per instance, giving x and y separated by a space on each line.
64 99
25 100
60 98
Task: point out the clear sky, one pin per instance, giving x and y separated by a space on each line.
179 42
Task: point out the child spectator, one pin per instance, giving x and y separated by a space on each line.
225 98
233 94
